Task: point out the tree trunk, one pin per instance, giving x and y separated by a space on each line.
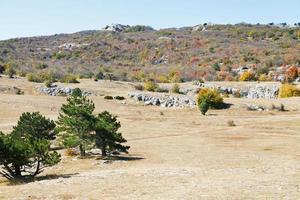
103 149
37 171
18 173
82 150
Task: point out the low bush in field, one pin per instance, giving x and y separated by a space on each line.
231 123
209 98
151 86
108 98
70 78
139 87
288 90
34 78
175 88
247 76
162 90
120 98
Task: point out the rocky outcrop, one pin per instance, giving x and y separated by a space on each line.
116 28
60 91
163 101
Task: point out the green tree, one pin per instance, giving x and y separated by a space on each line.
75 121
107 137
26 151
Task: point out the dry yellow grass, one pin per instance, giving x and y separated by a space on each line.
185 155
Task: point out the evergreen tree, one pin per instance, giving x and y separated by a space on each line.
107 137
76 121
26 151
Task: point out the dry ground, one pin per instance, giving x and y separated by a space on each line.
179 153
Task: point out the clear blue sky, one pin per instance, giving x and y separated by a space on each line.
20 18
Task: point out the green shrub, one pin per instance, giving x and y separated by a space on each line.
70 78
151 86
175 88
288 90
48 83
10 71
32 77
42 66
209 98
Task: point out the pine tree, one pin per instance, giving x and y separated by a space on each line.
26 151
76 121
107 137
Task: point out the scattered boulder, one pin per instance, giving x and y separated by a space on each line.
253 107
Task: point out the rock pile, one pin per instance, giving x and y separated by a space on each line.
60 91
163 101
253 107
257 92
263 91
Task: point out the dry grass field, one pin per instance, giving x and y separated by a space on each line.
175 153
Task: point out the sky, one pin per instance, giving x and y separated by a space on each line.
22 18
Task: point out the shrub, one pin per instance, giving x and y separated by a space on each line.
247 76
209 98
9 69
120 98
108 98
32 77
48 83
139 87
70 78
150 86
162 90
70 152
291 74
175 88
231 123
288 90
41 66
263 77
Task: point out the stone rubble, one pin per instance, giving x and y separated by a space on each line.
163 101
257 92
60 91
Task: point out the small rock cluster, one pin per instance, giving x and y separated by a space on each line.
163 101
253 107
60 91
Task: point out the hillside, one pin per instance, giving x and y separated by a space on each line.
211 52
